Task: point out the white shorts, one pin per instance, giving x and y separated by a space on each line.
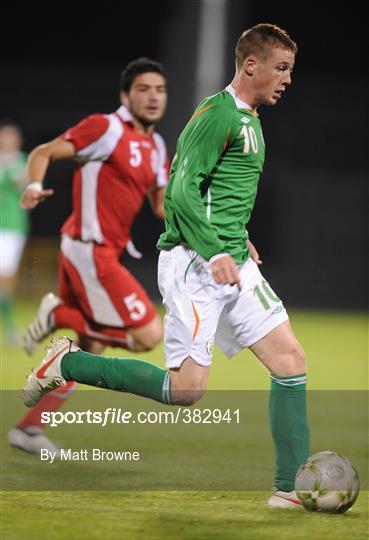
200 312
11 249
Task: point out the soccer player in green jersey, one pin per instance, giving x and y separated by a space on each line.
212 289
13 222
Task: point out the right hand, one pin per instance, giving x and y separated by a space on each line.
32 197
225 271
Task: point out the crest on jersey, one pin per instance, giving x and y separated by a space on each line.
210 346
245 120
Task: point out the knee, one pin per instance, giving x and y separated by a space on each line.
295 360
188 396
148 342
188 383
148 339
186 391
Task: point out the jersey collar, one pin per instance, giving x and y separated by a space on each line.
124 114
240 104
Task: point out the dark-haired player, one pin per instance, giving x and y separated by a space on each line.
119 160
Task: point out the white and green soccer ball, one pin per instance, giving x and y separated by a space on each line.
327 482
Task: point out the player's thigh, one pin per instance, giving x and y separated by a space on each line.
193 303
252 315
280 351
125 293
106 293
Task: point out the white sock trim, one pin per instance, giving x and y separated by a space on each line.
166 389
291 381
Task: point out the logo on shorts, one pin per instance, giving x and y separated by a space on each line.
210 346
278 309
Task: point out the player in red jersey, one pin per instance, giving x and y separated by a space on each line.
119 160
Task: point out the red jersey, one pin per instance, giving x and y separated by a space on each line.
115 170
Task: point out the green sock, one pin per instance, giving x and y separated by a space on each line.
290 431
122 374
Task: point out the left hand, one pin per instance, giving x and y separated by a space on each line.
225 272
30 198
253 252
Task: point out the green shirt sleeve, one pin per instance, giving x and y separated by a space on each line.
199 148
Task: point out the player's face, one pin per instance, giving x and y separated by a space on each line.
10 139
273 75
147 98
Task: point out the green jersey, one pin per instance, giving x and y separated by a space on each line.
12 217
214 178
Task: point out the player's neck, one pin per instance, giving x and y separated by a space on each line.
243 92
141 128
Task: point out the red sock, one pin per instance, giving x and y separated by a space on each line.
67 317
50 402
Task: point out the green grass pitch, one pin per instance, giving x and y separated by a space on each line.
336 348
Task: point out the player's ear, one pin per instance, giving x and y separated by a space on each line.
249 66
124 98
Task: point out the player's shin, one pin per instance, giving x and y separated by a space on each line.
121 374
289 427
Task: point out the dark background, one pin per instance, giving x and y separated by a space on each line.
61 62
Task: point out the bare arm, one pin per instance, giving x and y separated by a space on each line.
37 165
156 198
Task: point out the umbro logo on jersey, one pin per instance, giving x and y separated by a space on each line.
245 120
278 309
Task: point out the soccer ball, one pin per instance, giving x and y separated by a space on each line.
327 482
